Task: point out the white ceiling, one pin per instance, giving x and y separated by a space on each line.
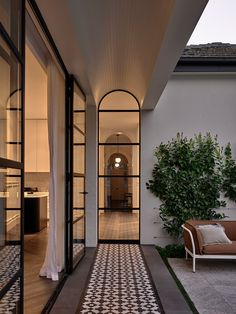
121 44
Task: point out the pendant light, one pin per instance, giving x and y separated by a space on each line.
117 159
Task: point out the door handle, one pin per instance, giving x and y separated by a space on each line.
83 192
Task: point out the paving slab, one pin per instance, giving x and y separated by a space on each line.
212 287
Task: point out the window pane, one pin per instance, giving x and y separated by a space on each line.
79 127
78 234
78 230
119 100
10 17
10 106
124 123
119 193
79 102
10 188
78 190
79 159
118 225
10 202
119 160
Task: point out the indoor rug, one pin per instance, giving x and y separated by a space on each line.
120 283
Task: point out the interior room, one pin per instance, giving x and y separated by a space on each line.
36 193
43 84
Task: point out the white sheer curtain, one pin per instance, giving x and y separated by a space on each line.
54 259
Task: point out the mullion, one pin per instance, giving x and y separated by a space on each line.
78 111
78 129
9 163
10 44
118 144
118 176
116 110
119 208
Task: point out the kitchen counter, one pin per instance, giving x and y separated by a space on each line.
35 194
35 216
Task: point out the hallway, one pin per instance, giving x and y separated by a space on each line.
120 278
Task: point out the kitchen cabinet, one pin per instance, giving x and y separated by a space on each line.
36 146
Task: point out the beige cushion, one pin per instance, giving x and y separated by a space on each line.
213 234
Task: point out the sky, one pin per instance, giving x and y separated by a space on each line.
217 23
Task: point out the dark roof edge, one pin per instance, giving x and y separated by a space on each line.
206 64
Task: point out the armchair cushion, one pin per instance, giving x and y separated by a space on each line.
213 234
220 249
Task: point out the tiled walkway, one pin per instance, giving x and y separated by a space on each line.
120 283
127 262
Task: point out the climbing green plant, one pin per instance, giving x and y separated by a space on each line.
229 174
187 177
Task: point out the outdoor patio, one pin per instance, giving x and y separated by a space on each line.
212 287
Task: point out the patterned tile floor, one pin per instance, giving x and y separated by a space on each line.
9 265
120 283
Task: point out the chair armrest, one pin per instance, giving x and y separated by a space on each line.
191 238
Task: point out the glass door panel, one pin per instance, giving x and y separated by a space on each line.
116 226
78 191
77 176
11 156
79 165
127 157
126 122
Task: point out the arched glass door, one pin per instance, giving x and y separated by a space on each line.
119 168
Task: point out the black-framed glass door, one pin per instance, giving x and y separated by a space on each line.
76 175
12 62
119 168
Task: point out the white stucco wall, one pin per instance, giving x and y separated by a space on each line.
190 103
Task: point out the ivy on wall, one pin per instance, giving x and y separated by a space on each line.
188 176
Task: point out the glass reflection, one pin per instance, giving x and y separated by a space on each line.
10 105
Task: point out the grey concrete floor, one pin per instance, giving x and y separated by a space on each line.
212 288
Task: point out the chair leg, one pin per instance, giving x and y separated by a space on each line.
194 264
186 255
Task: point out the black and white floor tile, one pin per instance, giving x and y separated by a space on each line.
9 263
10 301
120 283
77 248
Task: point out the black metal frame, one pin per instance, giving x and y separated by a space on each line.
19 53
128 176
71 264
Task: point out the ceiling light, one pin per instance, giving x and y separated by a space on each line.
117 165
117 159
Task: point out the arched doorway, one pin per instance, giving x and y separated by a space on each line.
119 168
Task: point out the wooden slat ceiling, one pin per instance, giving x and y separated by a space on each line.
122 44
